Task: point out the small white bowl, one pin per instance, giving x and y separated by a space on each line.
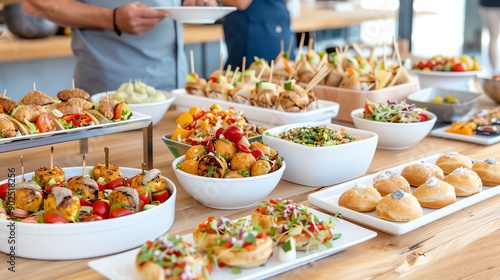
463 81
225 193
156 109
323 166
395 136
89 239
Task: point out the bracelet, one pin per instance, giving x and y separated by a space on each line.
117 30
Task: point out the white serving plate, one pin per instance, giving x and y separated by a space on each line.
475 138
324 113
90 239
135 117
328 199
122 266
197 14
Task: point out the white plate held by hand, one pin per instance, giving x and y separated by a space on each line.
197 14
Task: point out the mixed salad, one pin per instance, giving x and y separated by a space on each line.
393 112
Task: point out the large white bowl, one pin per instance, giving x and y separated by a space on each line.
156 109
224 193
90 239
323 166
463 81
395 136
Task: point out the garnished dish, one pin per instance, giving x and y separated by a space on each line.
461 63
317 136
393 112
486 122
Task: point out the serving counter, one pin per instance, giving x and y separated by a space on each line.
463 245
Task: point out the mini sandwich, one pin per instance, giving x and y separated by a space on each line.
35 118
66 94
10 127
7 104
195 85
38 98
266 95
110 110
218 88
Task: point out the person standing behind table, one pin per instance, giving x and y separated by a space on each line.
116 41
257 29
490 12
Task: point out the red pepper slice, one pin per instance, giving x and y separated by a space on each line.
242 148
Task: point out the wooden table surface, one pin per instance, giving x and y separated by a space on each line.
466 244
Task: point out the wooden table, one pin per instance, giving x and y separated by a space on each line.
466 244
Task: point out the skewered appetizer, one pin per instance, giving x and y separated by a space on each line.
218 88
84 187
152 181
106 173
125 197
295 99
265 96
195 85
67 94
28 197
36 97
7 104
62 201
170 257
46 177
10 127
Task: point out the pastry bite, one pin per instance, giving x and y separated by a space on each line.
488 170
171 257
244 246
205 235
361 198
269 214
387 182
435 193
465 181
417 173
399 206
453 160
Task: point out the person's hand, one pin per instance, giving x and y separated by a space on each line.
136 18
199 3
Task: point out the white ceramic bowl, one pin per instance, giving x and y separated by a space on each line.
395 136
491 88
90 239
445 112
223 193
323 166
463 81
156 110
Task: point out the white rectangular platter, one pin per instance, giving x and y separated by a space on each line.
324 113
328 200
122 266
478 139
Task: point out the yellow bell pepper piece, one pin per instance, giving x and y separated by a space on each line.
462 128
194 110
180 133
184 119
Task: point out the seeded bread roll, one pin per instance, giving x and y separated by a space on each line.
417 173
360 198
399 207
435 193
489 171
388 182
453 160
465 181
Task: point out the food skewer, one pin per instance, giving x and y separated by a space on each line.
51 157
192 60
301 45
290 46
235 75
228 71
317 78
4 93
271 71
22 170
106 157
243 66
143 168
282 46
83 165
34 86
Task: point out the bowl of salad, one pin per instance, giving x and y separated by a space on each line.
398 125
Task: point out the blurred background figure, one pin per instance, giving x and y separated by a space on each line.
490 13
257 29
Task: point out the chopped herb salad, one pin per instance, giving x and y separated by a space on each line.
317 136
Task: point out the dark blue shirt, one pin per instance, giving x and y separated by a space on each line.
489 3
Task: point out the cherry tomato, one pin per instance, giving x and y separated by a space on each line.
257 153
118 111
273 201
161 196
84 202
53 218
430 63
119 212
118 182
459 67
101 208
219 132
210 146
423 117
4 189
49 188
242 148
421 64
45 123
233 133
93 218
213 79
100 186
144 194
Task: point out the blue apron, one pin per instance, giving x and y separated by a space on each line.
105 60
257 31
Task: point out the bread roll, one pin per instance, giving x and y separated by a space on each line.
465 181
435 193
417 173
453 160
361 198
388 182
399 206
489 171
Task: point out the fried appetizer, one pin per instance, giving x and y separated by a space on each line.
244 246
465 181
269 214
212 165
453 160
66 94
417 173
126 197
84 187
37 97
7 105
170 257
307 230
108 173
29 112
63 201
294 98
28 196
8 128
207 232
388 182
46 176
154 181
